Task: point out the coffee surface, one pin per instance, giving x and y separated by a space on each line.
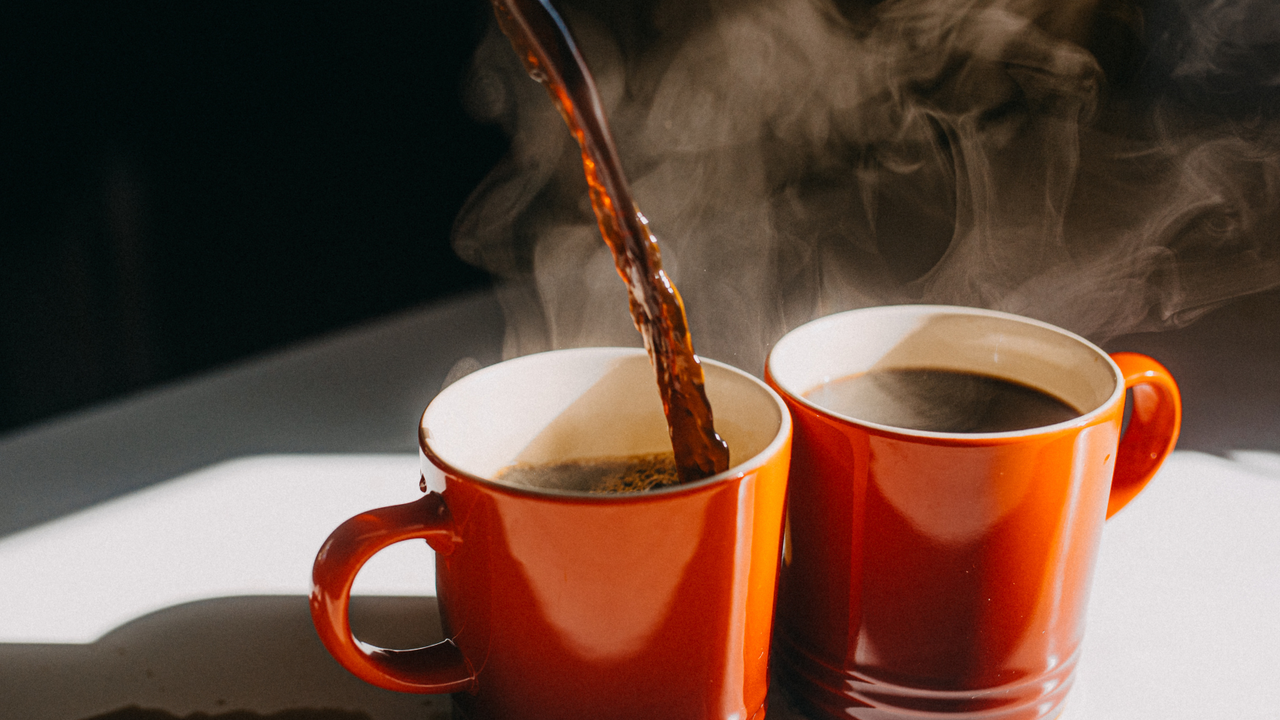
625 474
941 401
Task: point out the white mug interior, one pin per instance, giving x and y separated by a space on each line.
588 403
935 337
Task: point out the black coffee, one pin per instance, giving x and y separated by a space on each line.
941 401
626 474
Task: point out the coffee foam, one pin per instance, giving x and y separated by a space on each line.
584 404
635 473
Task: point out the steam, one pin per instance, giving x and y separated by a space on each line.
1080 162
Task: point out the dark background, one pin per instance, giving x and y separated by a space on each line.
186 184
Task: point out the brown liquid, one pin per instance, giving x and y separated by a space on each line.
941 401
548 52
633 473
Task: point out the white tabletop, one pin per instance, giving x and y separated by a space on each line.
157 551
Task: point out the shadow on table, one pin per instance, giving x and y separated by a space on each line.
215 656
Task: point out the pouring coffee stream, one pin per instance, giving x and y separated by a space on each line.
548 52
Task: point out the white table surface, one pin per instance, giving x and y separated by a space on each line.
157 551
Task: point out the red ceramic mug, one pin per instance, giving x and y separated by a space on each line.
566 604
942 572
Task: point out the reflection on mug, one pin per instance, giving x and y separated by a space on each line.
951 473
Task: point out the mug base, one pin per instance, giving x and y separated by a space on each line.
463 707
805 688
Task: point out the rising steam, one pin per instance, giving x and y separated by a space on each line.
1105 166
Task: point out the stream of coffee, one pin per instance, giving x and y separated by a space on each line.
548 52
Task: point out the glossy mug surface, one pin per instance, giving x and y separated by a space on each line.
560 604
945 574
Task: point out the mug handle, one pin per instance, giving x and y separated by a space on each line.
438 668
1153 426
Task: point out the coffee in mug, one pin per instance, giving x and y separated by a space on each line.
941 400
633 473
562 601
950 475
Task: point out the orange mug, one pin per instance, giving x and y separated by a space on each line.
569 604
951 472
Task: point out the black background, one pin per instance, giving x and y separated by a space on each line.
185 184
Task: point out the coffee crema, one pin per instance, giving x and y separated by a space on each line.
941 401
620 474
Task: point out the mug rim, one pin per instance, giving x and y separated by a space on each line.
738 470
923 310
